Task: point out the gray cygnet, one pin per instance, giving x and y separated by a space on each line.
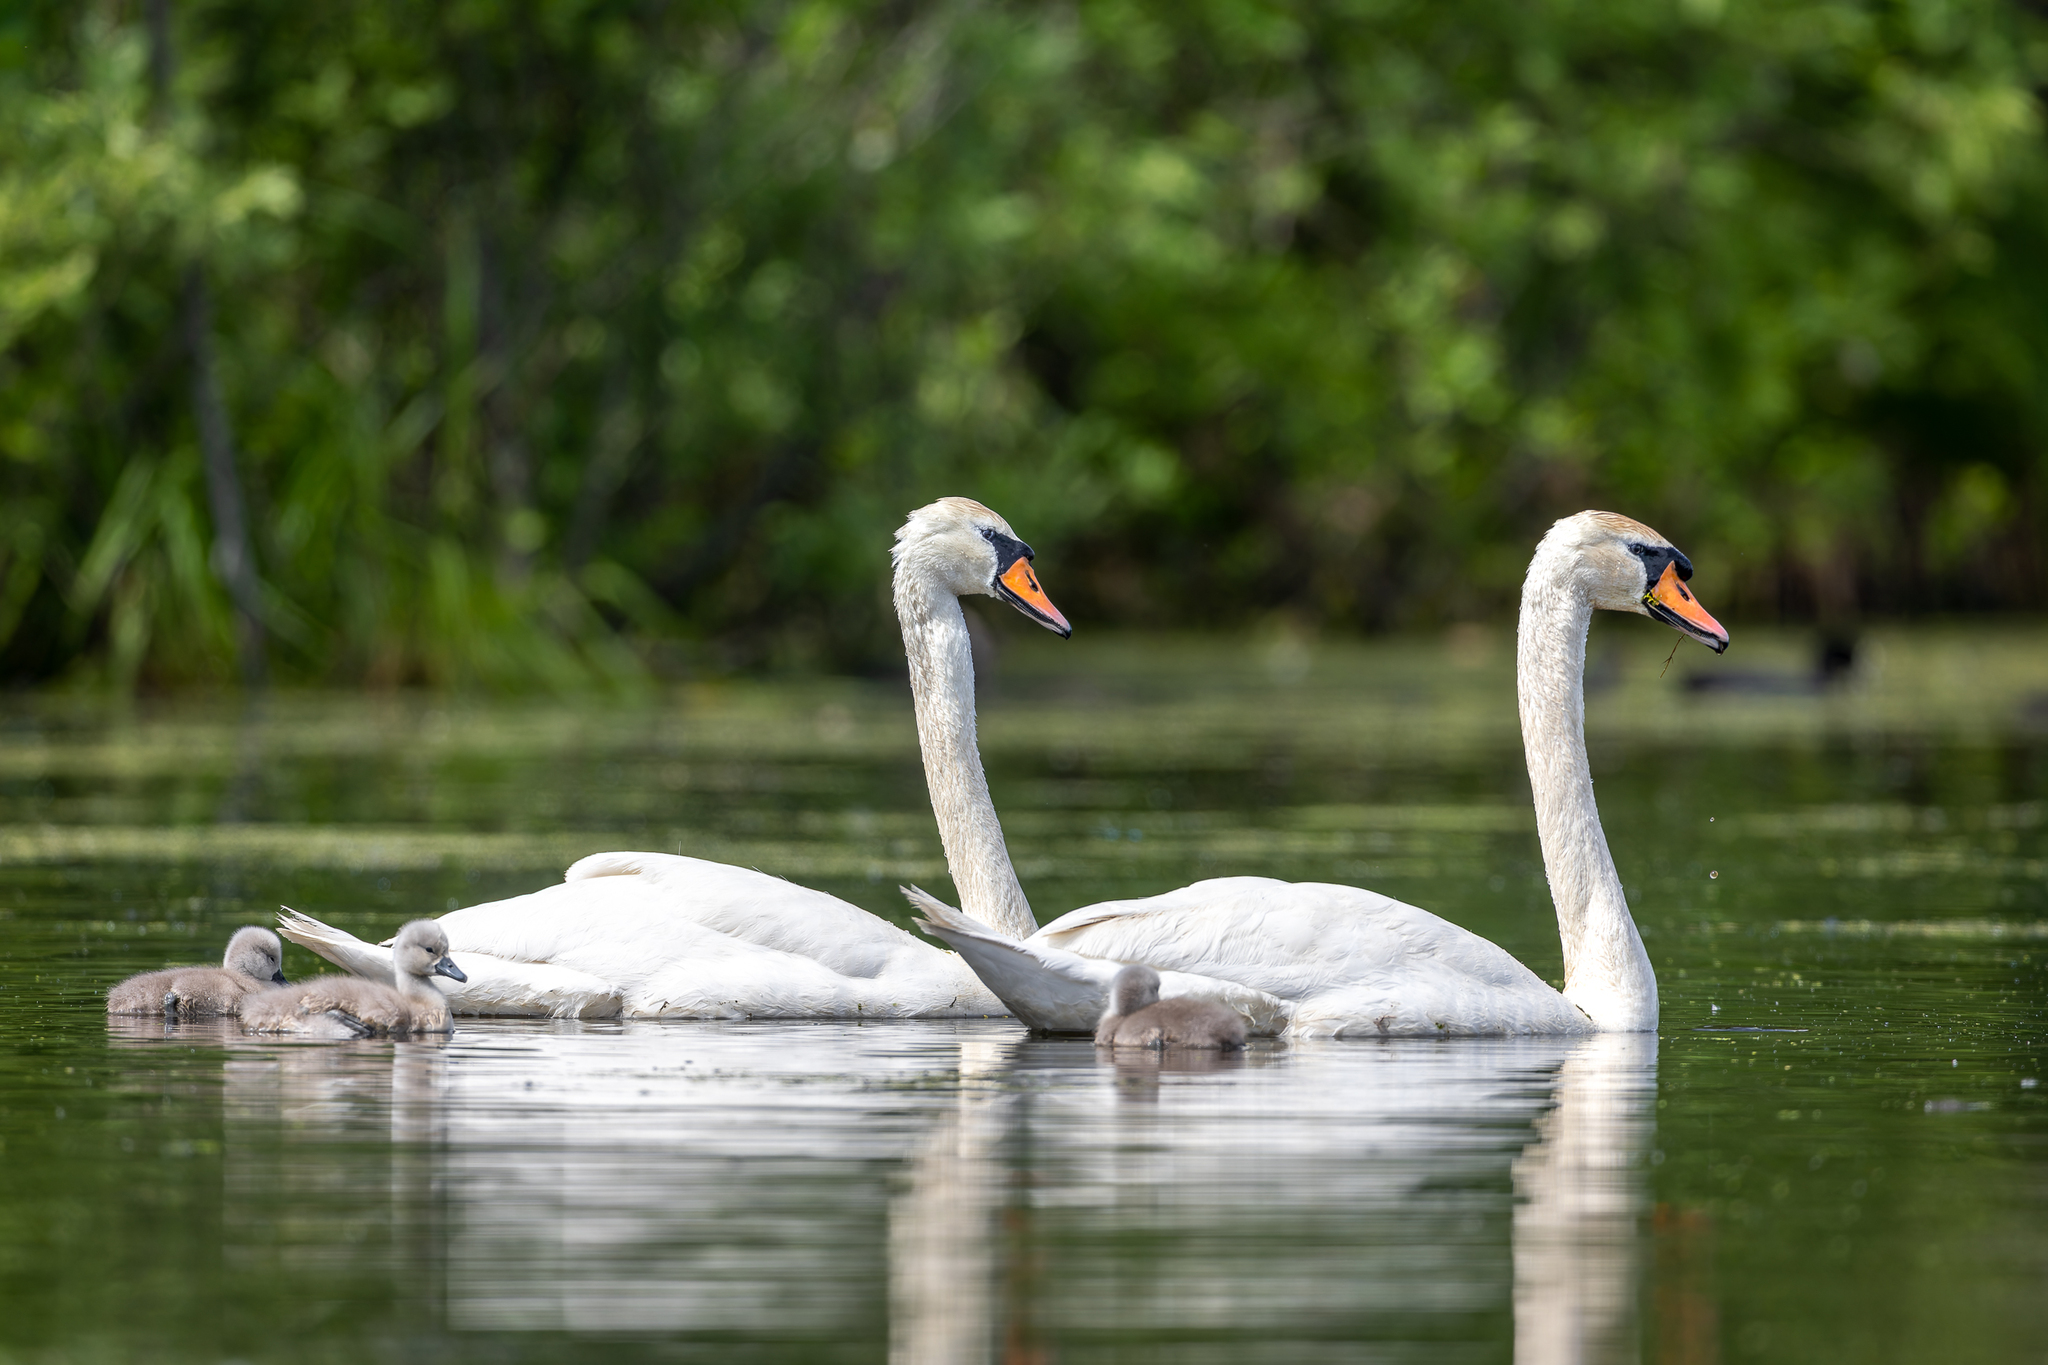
352 1007
254 960
1137 1017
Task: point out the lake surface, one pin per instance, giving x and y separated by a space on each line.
1861 868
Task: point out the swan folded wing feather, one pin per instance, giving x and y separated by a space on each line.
648 932
1288 938
727 977
497 986
1354 962
754 907
730 979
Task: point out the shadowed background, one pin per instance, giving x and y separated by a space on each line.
550 344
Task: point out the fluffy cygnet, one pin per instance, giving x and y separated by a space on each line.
254 959
351 1007
1137 1017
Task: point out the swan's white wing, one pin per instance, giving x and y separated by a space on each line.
1058 991
1352 961
754 907
687 938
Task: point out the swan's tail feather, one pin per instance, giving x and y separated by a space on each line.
1057 991
338 946
940 918
1050 989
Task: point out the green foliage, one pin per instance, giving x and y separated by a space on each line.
568 340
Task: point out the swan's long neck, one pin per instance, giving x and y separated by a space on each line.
942 686
1606 972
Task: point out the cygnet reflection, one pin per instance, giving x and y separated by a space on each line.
1140 1070
1137 1017
254 960
144 1030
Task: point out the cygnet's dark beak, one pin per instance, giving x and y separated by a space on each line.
446 967
277 977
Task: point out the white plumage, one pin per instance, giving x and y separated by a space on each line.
1310 959
654 935
1318 960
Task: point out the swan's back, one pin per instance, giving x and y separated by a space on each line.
678 937
623 915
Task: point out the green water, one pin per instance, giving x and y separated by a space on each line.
1869 865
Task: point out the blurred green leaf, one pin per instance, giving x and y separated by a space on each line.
566 342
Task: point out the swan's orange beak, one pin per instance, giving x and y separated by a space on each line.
1673 603
1019 586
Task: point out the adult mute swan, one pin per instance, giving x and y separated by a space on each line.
1313 959
654 935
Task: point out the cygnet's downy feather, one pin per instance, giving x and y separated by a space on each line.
351 1007
253 961
1137 1017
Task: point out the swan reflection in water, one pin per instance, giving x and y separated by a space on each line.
963 1191
1580 1202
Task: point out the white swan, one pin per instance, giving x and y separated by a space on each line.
1325 960
654 935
